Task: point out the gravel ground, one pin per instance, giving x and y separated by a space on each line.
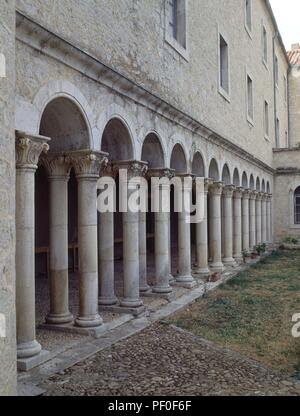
163 360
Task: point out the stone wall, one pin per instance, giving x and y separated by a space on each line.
129 36
7 201
294 102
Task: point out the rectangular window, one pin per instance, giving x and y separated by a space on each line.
265 45
177 20
249 98
276 71
248 11
277 133
266 119
223 65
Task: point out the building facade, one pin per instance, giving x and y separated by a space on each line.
161 88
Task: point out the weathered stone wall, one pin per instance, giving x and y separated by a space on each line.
7 200
294 102
129 35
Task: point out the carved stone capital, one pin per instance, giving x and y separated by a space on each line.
228 191
216 188
246 193
29 149
87 163
207 183
253 195
107 169
238 193
58 166
161 173
134 168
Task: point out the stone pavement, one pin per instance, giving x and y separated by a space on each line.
165 360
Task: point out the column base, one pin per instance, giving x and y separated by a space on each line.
217 267
202 272
131 303
26 364
59 319
229 261
187 282
135 311
107 301
28 349
171 278
162 289
144 288
89 321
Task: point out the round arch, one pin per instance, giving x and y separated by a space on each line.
198 165
213 171
263 186
236 177
116 140
245 180
251 182
153 152
226 178
257 186
268 187
178 160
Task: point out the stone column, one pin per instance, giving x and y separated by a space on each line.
252 220
87 166
161 193
237 229
258 218
215 192
245 220
130 183
264 218
58 168
228 260
106 249
28 150
144 287
202 237
269 218
184 277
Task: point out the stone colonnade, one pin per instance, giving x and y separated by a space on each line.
247 222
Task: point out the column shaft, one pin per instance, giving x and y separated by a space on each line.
252 220
264 219
144 287
258 220
237 230
228 226
27 153
245 221
215 227
202 238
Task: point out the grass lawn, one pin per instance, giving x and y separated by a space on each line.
252 314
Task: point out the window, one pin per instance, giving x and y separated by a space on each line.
248 11
286 139
249 98
266 119
223 65
277 133
276 71
177 21
297 205
265 45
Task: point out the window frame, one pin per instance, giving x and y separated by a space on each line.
250 118
266 120
225 94
296 205
248 29
276 71
170 39
265 46
277 133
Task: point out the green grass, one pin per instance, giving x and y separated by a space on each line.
252 313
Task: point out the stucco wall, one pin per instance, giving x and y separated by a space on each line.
294 101
7 200
129 35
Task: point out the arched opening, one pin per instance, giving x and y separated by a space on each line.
213 172
257 187
152 152
198 167
236 178
64 122
116 141
252 183
245 181
297 205
178 159
179 164
268 187
226 175
263 186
